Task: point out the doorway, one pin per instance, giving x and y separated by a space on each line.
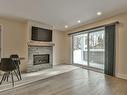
89 48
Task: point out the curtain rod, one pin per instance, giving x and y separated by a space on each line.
117 22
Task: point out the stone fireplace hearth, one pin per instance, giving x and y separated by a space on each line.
39 57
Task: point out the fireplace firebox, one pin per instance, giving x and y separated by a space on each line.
41 59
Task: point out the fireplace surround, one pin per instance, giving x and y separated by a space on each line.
39 58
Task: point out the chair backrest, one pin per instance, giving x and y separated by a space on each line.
7 64
15 56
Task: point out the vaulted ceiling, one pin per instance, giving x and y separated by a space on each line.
61 12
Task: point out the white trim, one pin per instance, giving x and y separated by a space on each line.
71 49
122 76
2 34
117 51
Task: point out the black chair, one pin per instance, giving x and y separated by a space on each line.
7 65
16 61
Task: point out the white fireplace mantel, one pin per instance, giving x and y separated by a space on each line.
37 43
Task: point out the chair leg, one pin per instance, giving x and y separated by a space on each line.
8 75
19 72
16 75
2 79
5 76
12 79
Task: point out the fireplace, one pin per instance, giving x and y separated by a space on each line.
41 59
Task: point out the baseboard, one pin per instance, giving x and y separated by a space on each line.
122 76
61 64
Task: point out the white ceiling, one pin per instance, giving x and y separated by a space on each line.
61 12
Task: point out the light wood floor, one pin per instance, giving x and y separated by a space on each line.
76 82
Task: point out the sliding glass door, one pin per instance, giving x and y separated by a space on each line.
89 49
97 49
80 49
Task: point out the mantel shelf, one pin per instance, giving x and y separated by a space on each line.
40 44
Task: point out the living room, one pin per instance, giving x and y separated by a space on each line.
57 43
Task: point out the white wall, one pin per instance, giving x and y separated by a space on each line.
14 38
59 48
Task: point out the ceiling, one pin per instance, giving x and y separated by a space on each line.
61 12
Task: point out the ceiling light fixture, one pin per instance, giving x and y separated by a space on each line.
99 13
78 21
66 26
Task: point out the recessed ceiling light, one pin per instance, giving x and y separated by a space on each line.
66 26
79 21
99 13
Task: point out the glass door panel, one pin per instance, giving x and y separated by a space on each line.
97 49
80 49
89 49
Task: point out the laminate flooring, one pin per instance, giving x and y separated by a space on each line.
76 82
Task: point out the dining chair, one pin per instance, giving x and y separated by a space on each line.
17 62
8 67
